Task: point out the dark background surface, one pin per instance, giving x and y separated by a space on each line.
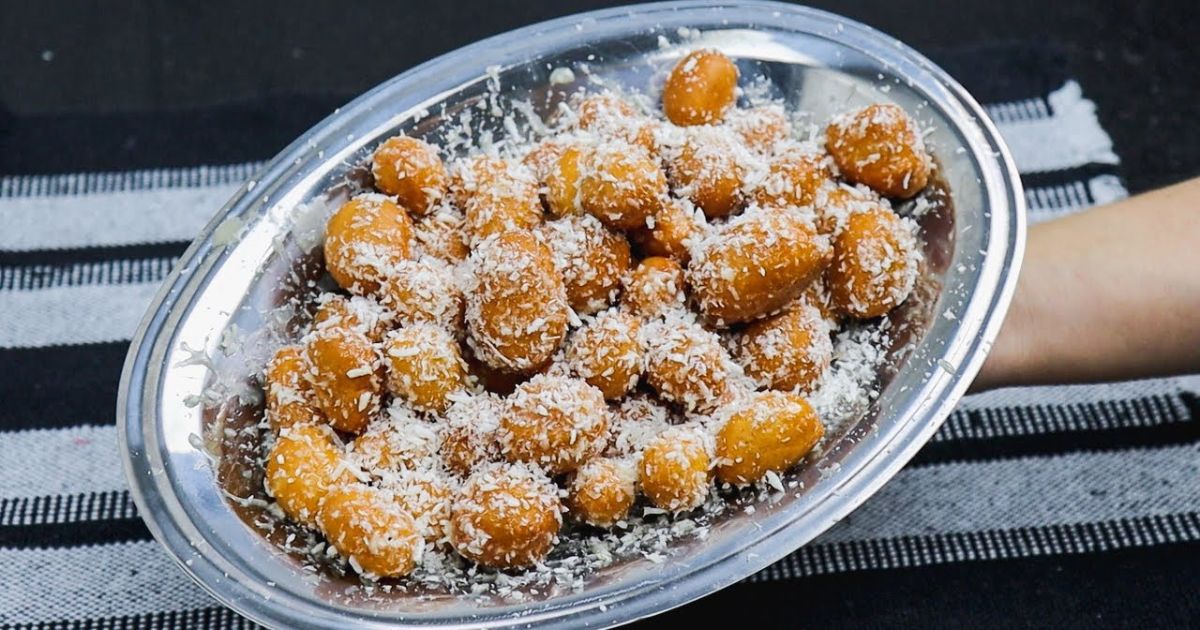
111 86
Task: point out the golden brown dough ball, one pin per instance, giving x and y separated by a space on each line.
412 171
443 234
562 183
424 366
400 442
289 398
700 89
835 204
363 239
602 492
362 314
761 128
675 227
608 353
542 156
371 530
506 516
600 109
755 264
424 290
788 351
621 185
347 377
468 437
707 170
301 467
874 264
674 472
427 496
518 311
553 422
793 180
471 174
505 200
592 259
772 432
686 364
655 286
881 147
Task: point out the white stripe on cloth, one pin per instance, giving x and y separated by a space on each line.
59 462
1071 136
72 314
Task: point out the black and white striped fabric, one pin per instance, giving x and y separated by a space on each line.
1022 473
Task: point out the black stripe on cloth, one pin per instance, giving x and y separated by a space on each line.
1137 587
1069 176
214 618
66 509
89 255
60 386
66 274
51 535
125 180
988 422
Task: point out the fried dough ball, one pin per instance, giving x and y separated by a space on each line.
424 366
506 516
542 156
362 314
554 422
793 180
517 314
655 286
347 377
835 204
289 398
874 264
442 234
412 171
707 171
608 353
471 174
592 259
400 442
621 185
761 128
363 239
373 531
468 437
300 469
676 226
562 183
599 109
880 146
674 472
503 200
772 432
788 351
686 364
700 89
755 264
424 290
427 496
602 492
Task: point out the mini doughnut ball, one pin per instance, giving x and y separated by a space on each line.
654 287
835 204
301 467
471 174
881 147
424 366
562 183
468 437
364 238
504 200
674 472
518 311
771 432
874 267
412 171
599 110
424 290
674 228
793 180
506 516
761 128
542 156
608 353
707 170
347 377
602 492
289 398
362 314
700 89
442 234
755 264
399 442
592 259
372 530
622 185
554 422
789 351
427 496
686 364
